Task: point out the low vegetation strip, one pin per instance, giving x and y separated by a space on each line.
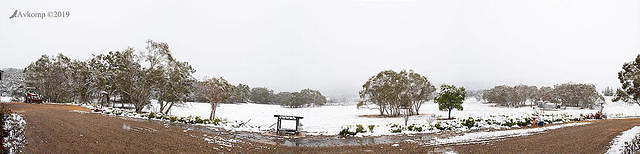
483 136
627 142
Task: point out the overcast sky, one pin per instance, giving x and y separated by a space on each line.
336 45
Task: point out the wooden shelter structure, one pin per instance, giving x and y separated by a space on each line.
279 129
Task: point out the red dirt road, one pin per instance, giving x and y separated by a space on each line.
70 129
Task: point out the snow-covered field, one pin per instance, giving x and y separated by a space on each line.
329 120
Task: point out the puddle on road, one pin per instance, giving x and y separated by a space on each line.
447 150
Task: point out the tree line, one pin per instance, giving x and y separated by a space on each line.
127 77
568 94
136 77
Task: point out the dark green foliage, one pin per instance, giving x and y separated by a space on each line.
151 115
346 132
199 120
468 122
450 98
630 90
398 130
216 121
439 126
415 128
509 123
525 122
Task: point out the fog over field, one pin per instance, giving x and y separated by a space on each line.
336 45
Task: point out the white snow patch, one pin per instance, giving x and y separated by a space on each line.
618 143
5 99
82 112
484 136
126 127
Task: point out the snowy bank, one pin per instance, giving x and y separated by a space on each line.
621 143
5 99
14 125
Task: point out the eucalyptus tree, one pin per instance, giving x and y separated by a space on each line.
419 89
50 76
216 91
391 91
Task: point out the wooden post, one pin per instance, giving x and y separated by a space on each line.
297 122
278 128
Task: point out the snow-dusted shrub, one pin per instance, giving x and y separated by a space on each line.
360 129
468 122
14 126
371 128
346 132
633 146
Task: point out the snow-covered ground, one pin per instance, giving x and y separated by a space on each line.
329 120
620 142
5 99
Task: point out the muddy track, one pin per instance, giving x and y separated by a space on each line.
70 129
67 129
591 138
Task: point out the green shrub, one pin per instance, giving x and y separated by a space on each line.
346 132
216 121
198 120
360 129
418 129
152 115
396 130
371 128
438 126
509 123
526 122
413 127
468 122
173 118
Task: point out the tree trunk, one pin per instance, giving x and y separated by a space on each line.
213 111
170 105
449 113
